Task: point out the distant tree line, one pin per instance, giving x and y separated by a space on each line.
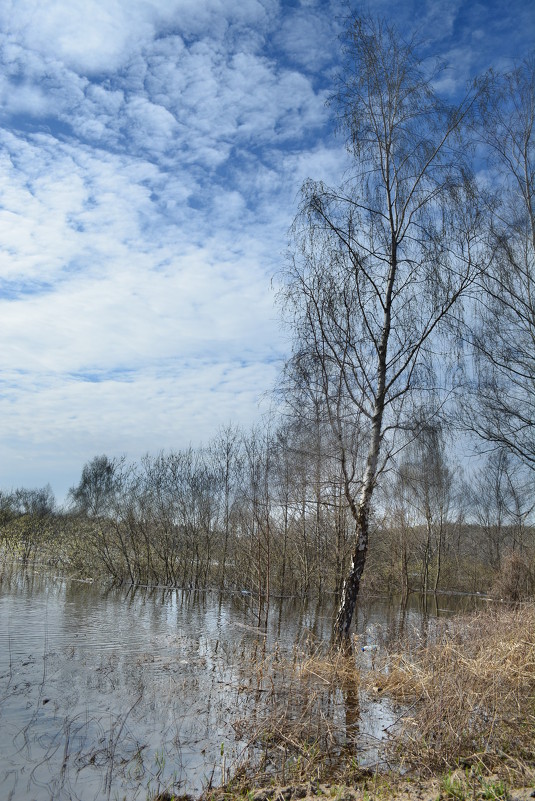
265 513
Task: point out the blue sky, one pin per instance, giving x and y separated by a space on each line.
151 154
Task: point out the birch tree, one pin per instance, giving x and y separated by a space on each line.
380 264
500 410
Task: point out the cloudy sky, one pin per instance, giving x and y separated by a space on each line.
151 153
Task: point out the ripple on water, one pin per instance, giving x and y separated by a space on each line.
149 677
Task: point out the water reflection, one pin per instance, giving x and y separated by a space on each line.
107 692
351 695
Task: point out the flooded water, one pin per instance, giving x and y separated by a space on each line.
109 694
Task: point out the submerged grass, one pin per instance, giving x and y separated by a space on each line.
465 697
300 715
283 716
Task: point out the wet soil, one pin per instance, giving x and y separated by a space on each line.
382 789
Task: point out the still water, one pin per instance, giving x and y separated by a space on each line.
112 694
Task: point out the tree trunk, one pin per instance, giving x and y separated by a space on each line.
404 562
352 583
439 553
427 556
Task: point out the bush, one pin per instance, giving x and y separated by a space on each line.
516 578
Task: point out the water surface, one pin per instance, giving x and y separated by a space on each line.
120 693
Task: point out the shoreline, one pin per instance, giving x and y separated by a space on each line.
454 786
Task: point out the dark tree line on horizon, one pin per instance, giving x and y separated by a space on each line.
409 291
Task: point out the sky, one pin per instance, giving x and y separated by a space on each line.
151 156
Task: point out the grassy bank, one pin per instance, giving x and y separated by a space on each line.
454 786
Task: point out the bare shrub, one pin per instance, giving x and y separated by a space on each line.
516 578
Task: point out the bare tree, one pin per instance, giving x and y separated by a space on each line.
34 509
97 486
429 485
500 410
225 459
381 262
501 496
256 518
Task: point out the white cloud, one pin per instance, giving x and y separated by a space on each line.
95 37
154 409
307 35
151 157
81 34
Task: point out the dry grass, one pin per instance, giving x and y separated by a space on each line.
300 713
465 696
469 694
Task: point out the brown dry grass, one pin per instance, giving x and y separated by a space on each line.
469 694
466 699
296 711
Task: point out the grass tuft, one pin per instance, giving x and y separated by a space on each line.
469 692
